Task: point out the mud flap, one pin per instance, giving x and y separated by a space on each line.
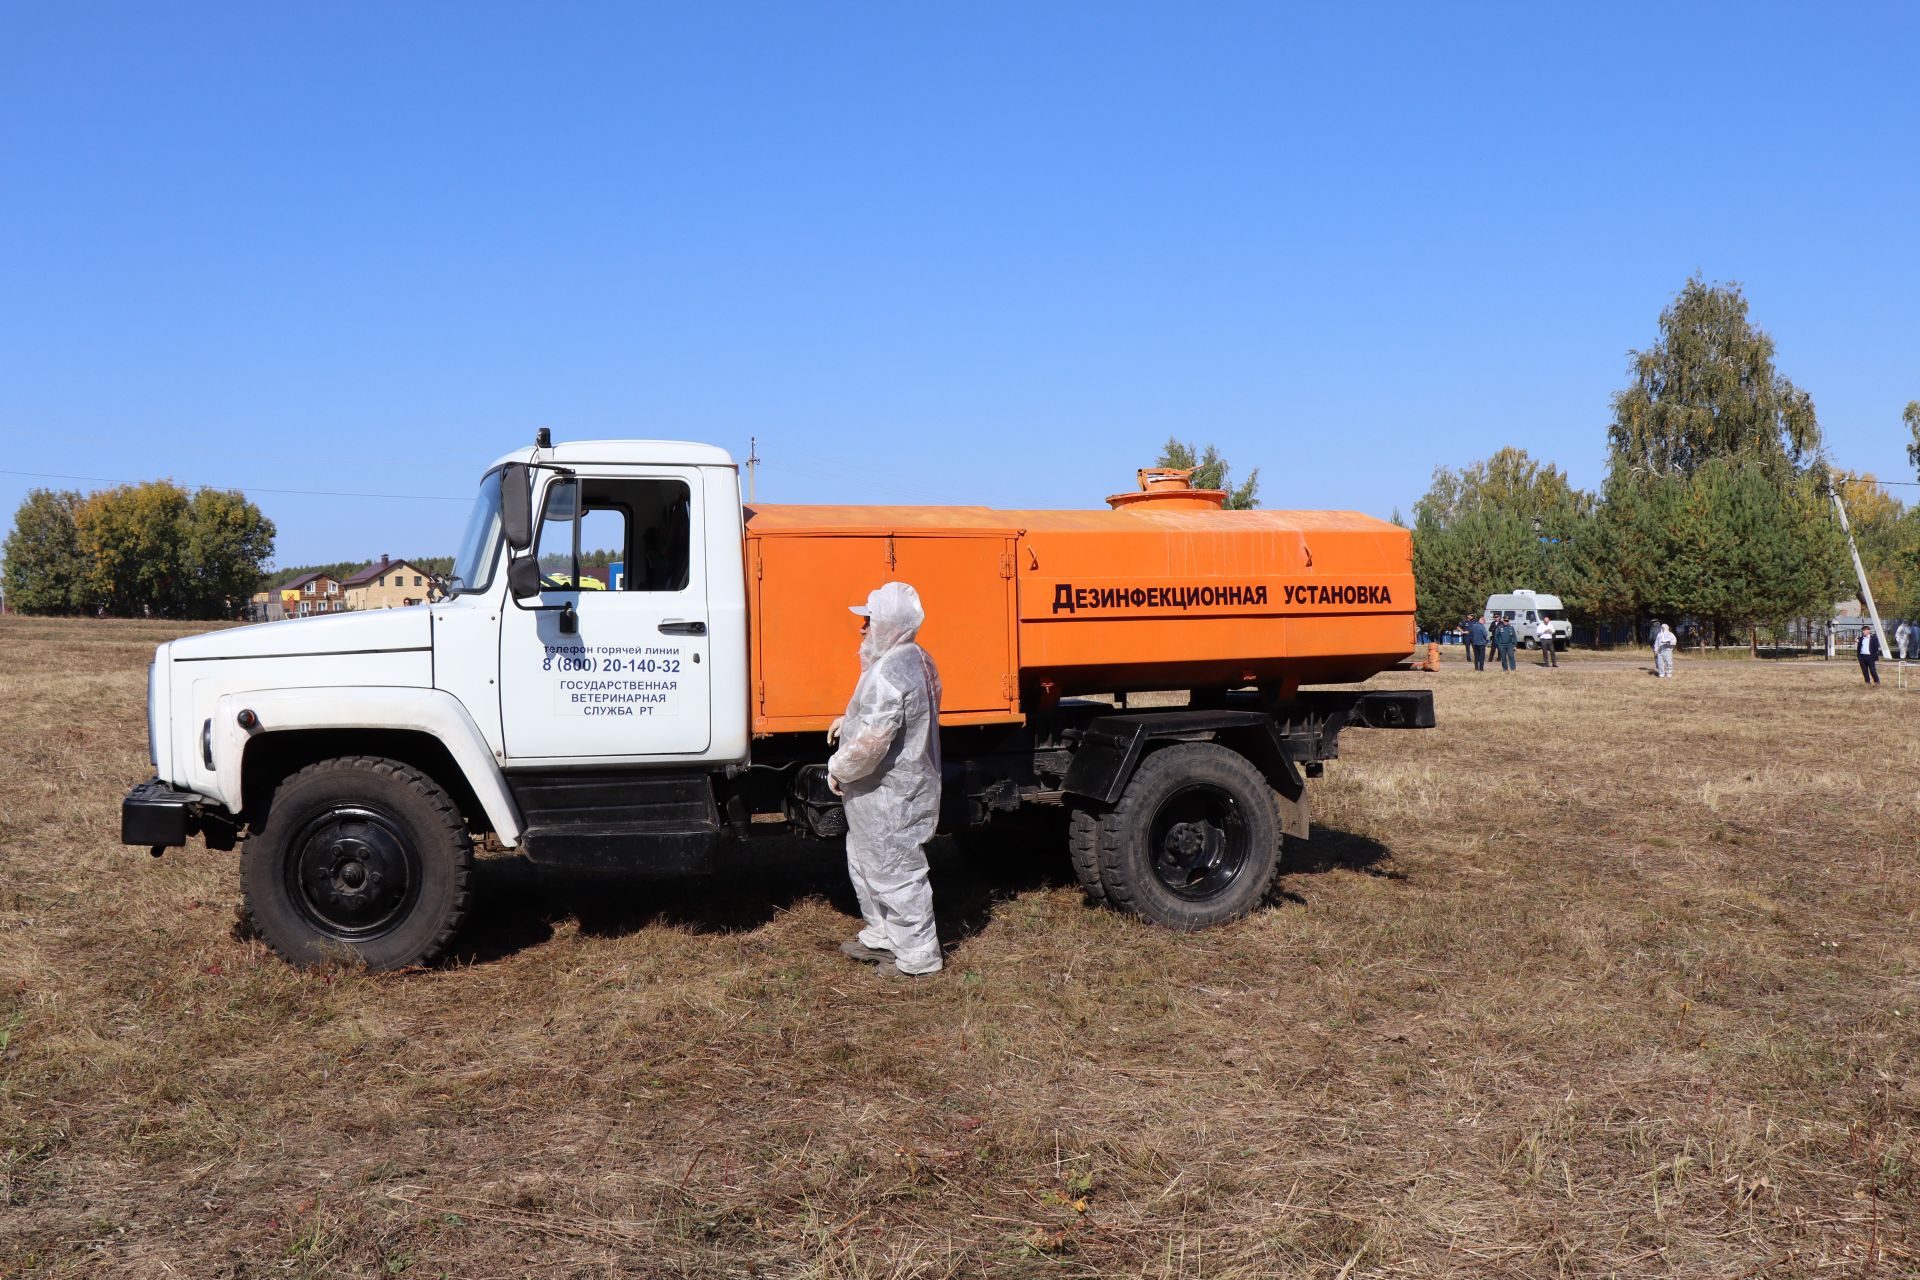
1293 811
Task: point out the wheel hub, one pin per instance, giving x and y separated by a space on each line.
354 873
1199 842
1191 843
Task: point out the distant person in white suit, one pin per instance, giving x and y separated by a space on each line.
1664 643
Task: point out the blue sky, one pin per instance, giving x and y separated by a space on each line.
967 253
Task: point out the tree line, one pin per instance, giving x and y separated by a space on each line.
339 570
137 550
1714 507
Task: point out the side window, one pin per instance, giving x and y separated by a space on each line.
555 546
660 557
589 525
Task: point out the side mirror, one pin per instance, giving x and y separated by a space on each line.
516 507
523 577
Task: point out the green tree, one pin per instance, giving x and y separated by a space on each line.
1897 588
227 541
137 550
1736 544
1707 388
1773 551
1712 505
154 550
1911 416
1457 566
46 569
1887 532
1509 481
1474 533
134 536
338 570
1210 471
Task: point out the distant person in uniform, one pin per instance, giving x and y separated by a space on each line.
1477 641
1504 640
1869 656
1901 634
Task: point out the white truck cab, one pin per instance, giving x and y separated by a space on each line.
656 673
653 673
446 719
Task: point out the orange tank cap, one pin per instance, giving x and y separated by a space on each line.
1170 489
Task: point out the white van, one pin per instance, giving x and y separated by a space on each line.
1531 613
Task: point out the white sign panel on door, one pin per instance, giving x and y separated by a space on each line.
635 681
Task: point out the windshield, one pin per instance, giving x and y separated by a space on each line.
479 545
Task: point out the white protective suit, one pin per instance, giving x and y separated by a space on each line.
888 768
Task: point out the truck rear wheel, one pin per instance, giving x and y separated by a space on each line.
1194 841
360 859
1083 846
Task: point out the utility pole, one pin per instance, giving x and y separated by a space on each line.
753 468
1866 592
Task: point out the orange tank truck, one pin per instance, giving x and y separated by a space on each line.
646 719
1164 591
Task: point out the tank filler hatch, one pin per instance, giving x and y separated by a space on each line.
1169 489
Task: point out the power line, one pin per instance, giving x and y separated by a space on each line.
246 488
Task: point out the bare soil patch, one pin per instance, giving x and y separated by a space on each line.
1604 976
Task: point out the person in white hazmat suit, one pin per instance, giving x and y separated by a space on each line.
887 768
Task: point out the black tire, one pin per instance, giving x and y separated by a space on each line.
1194 841
361 860
1083 847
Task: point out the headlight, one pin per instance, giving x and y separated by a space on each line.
160 716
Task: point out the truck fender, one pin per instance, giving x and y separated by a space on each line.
1112 747
431 711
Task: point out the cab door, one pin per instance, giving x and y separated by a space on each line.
590 672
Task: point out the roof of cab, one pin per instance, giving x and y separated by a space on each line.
658 453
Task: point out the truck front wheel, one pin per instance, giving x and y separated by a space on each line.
1194 841
360 859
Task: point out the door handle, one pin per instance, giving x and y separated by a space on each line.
683 628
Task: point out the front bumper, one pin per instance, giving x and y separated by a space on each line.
157 816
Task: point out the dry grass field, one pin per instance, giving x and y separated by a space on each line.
1604 976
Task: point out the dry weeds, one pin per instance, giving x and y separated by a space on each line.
1605 976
